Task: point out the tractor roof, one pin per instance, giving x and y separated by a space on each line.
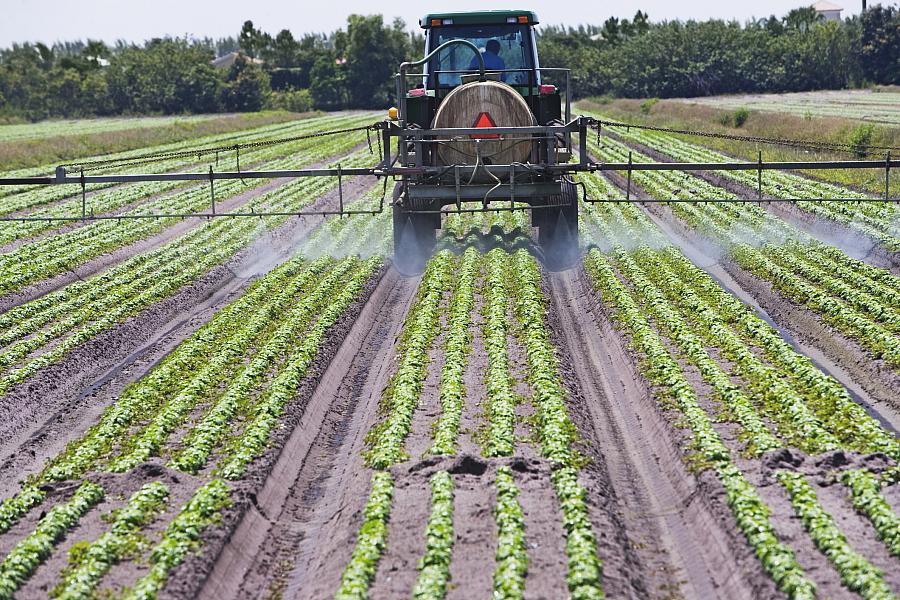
479 17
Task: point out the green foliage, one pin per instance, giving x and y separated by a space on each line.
434 566
27 555
512 552
89 563
860 138
370 542
740 116
298 101
181 536
166 76
246 88
648 104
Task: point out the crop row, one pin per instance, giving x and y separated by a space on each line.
456 355
126 290
370 542
32 551
195 367
512 550
21 198
857 573
662 370
402 395
733 224
49 256
89 564
434 567
501 399
328 302
123 196
877 220
289 316
722 321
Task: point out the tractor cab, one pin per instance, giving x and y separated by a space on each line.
481 128
505 39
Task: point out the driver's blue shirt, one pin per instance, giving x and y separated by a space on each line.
492 62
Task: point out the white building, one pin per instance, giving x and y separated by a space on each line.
829 10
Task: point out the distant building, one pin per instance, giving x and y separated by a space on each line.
829 10
227 60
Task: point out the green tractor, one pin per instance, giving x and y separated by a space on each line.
481 127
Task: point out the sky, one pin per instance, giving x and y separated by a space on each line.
137 20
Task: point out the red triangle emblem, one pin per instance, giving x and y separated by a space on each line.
484 120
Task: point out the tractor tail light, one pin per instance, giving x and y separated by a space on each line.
416 93
523 20
435 22
546 90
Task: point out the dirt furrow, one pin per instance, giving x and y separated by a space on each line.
684 537
872 385
299 533
61 401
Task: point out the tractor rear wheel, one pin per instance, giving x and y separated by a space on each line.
558 229
414 237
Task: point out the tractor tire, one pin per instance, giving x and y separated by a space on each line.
558 229
414 237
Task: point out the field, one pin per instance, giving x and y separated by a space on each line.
863 105
705 406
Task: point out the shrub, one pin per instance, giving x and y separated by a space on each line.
725 119
292 100
861 138
740 116
646 105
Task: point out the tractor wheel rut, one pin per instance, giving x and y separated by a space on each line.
296 540
684 541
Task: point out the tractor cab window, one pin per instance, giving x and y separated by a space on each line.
505 48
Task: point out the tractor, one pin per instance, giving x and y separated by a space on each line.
481 126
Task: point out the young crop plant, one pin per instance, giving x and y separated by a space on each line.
555 429
456 354
857 573
121 541
181 536
434 567
865 493
402 396
370 542
512 552
657 364
501 399
264 418
31 552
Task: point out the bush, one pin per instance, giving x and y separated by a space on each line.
646 105
291 100
740 116
725 119
861 138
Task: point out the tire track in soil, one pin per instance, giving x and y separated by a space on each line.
684 537
60 402
300 533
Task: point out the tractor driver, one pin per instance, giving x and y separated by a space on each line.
492 60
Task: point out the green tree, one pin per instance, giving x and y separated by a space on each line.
373 53
247 87
879 45
166 76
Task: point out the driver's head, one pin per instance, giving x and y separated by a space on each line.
493 46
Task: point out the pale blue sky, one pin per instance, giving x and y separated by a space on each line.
137 20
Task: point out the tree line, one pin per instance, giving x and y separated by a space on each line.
353 67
